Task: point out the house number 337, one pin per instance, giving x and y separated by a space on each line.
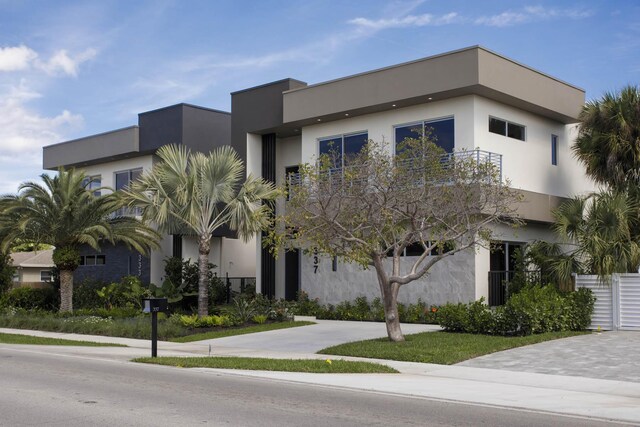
316 261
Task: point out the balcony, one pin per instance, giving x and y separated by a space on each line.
336 177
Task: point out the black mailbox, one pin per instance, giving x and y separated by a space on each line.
155 305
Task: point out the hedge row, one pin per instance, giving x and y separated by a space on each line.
533 310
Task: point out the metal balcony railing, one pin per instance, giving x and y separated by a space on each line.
336 176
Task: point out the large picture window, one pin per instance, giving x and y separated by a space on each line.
440 131
342 147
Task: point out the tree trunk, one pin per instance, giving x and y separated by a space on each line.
204 248
66 290
389 293
391 317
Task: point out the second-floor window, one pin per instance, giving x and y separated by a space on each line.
342 147
93 183
440 131
122 180
505 128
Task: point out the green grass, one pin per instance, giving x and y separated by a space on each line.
227 332
258 364
443 348
27 339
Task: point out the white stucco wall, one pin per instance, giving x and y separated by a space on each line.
380 126
527 164
108 170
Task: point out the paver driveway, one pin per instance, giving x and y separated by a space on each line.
606 355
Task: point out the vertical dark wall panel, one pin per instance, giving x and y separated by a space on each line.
268 265
176 248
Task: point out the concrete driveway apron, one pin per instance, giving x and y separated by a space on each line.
312 338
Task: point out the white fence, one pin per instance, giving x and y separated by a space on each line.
617 302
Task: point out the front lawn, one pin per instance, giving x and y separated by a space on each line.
27 339
258 364
443 348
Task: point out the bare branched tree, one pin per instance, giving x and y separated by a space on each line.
369 208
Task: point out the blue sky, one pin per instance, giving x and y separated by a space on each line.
74 68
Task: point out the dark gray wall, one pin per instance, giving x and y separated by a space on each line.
257 110
204 129
120 262
201 129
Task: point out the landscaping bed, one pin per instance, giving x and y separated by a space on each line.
169 329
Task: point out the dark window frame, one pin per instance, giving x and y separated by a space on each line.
422 125
342 138
522 129
554 150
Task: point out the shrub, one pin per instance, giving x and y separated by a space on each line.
85 294
195 321
241 309
128 292
581 304
535 309
259 319
454 317
479 318
31 298
305 306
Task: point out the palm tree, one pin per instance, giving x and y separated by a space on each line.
608 141
194 193
601 226
63 213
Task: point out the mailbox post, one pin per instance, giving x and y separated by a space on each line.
154 306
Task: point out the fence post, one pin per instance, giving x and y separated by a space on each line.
615 300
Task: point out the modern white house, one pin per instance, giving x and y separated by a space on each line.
470 99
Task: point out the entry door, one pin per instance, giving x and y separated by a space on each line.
291 274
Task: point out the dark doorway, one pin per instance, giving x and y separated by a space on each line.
502 267
291 274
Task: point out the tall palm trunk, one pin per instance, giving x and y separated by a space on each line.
66 290
204 247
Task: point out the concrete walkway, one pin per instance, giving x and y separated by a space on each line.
576 396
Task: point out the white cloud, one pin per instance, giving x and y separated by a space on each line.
405 21
16 58
62 62
23 133
19 58
529 14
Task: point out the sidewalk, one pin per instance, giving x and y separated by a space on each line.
586 397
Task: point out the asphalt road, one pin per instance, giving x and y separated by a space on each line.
38 387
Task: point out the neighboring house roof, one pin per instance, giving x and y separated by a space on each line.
42 259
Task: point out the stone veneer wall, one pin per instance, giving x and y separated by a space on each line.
450 280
